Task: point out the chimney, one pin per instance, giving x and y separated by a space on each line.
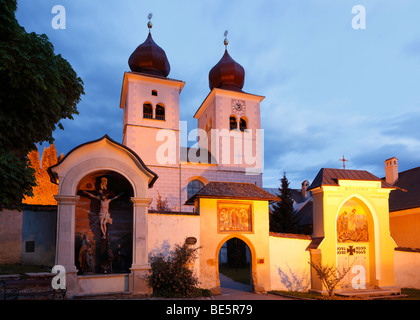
391 170
305 185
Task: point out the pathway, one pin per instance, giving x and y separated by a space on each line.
232 290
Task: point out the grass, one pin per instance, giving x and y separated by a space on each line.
241 275
22 269
411 294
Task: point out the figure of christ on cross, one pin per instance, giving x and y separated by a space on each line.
104 214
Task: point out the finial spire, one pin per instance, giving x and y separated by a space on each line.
226 40
149 24
344 162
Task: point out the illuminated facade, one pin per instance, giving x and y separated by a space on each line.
206 195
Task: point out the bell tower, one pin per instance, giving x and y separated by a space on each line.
150 101
231 118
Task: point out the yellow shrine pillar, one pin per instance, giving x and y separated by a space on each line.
351 229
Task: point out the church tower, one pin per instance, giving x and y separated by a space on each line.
150 101
231 118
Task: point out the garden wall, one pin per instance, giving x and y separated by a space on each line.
289 262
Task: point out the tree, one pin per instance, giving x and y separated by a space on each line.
44 191
162 205
38 89
283 217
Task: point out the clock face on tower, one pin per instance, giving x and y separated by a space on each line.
238 106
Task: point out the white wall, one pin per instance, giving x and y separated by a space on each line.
289 263
171 229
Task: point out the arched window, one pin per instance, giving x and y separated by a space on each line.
193 187
160 112
242 124
147 111
233 123
154 93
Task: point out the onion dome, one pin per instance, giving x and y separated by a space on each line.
149 58
227 73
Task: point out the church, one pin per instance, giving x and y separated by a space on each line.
120 201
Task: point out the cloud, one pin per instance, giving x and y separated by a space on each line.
330 90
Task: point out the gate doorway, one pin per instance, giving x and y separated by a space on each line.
235 267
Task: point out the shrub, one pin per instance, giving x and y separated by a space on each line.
170 274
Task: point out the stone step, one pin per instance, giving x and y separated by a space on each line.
371 293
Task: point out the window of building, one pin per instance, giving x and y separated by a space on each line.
160 112
193 187
233 123
29 246
242 124
147 111
154 93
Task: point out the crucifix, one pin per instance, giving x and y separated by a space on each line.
344 162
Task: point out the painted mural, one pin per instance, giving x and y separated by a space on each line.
234 216
352 223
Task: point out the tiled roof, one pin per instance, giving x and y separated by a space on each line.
315 243
330 177
407 195
232 190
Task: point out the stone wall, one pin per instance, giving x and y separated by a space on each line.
10 236
172 179
28 236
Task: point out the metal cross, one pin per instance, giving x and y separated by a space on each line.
344 162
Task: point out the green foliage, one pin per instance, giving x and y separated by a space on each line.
38 89
283 218
171 275
16 179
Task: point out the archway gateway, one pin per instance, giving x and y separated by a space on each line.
235 263
233 210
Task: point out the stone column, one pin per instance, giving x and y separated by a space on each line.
140 266
64 254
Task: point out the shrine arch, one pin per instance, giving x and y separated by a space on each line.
107 156
252 255
357 240
119 232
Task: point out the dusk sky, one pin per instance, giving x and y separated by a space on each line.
331 90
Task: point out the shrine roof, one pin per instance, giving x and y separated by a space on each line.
232 190
330 177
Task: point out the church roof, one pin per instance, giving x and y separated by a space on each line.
330 177
149 58
232 190
227 74
407 195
